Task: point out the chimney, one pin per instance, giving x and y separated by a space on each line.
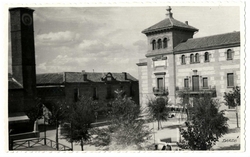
84 75
125 75
186 22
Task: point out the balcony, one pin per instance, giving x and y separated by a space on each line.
160 91
198 90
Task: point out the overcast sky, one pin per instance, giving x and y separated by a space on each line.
109 39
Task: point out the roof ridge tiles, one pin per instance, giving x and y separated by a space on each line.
215 35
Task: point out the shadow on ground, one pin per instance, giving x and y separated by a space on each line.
173 126
232 147
233 130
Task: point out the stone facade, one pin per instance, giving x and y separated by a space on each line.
208 64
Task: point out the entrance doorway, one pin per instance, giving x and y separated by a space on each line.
195 79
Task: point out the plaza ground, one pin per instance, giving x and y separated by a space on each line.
170 133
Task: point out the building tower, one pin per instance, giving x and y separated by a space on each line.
157 71
23 51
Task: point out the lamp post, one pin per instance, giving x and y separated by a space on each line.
71 136
236 110
44 123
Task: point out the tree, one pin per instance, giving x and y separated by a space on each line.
34 111
58 113
232 99
126 130
186 102
80 119
207 125
158 109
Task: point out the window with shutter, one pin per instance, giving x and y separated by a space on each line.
160 84
230 79
205 82
191 58
229 54
186 83
183 61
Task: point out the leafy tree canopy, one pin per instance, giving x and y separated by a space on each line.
207 125
126 129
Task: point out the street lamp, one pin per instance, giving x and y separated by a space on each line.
44 123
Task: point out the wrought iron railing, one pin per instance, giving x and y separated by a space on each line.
199 89
160 91
29 143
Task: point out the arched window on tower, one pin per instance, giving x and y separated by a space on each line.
165 43
153 45
159 43
197 58
183 61
191 58
206 57
229 54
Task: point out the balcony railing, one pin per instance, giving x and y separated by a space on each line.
160 91
197 90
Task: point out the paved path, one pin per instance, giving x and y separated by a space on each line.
170 131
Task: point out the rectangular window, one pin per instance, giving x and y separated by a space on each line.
230 79
76 94
109 92
160 84
205 82
131 90
186 83
95 93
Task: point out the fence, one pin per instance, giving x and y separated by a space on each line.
36 142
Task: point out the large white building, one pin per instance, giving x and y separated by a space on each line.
175 61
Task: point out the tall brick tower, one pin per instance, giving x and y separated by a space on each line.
23 51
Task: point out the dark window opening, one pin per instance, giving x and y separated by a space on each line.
183 61
131 90
109 92
195 83
206 57
229 54
230 79
165 43
205 82
153 45
186 85
160 83
95 97
191 58
159 43
76 94
197 58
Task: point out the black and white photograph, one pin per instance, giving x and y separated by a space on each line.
151 78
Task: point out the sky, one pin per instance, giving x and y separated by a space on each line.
109 39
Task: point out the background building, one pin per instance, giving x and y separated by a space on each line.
71 86
175 61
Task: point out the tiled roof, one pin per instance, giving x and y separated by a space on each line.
209 42
49 78
13 83
169 23
58 78
95 77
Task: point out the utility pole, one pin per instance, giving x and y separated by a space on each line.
236 110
